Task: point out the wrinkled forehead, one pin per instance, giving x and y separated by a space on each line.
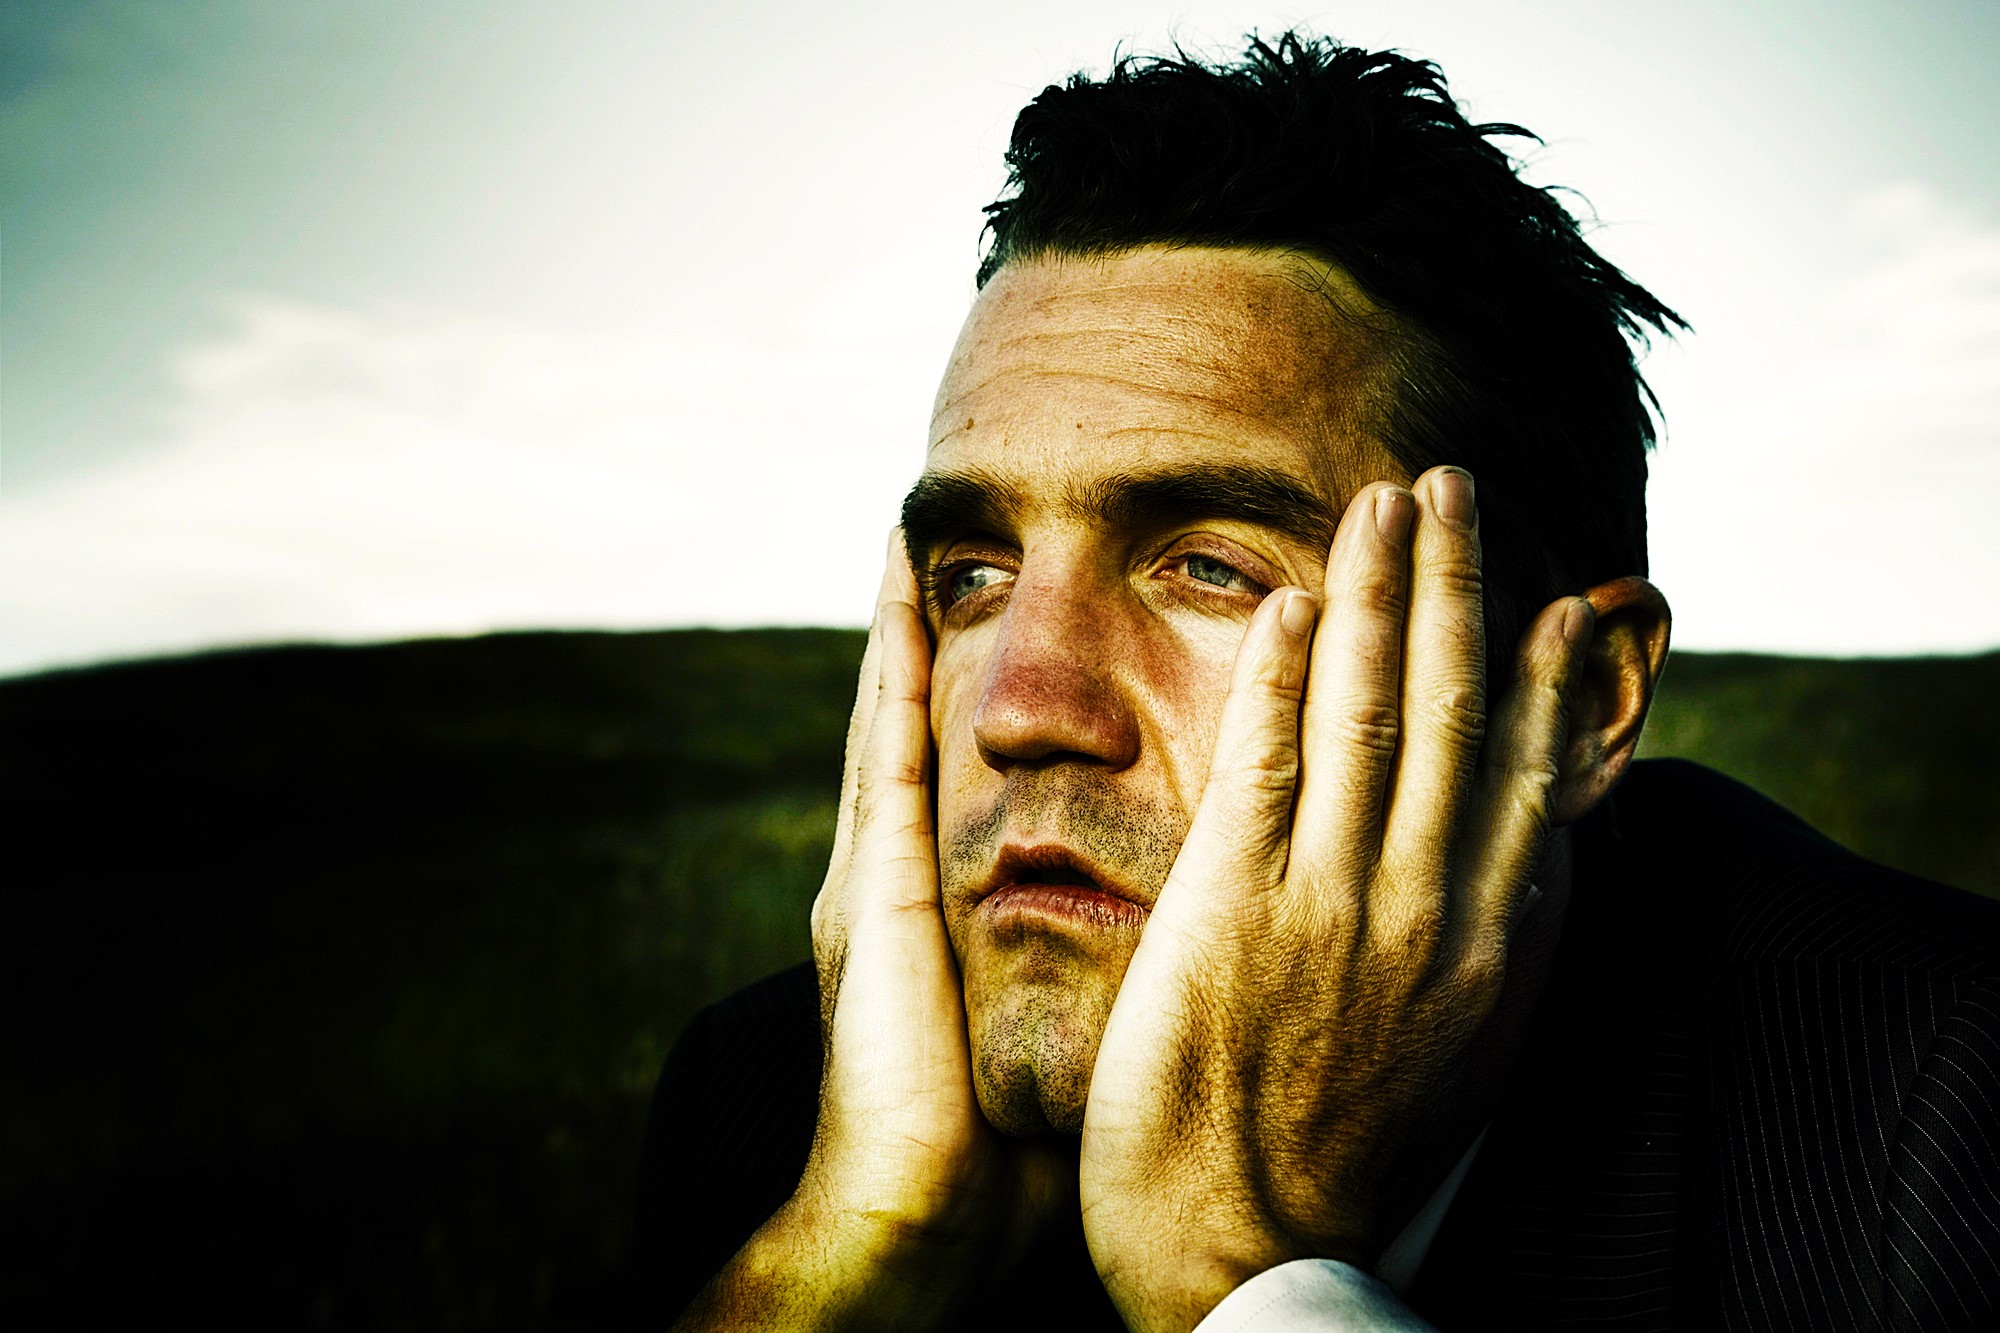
1258 350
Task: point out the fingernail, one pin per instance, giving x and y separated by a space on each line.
1455 502
1393 508
1578 620
1297 615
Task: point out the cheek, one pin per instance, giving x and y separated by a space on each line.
956 673
1186 681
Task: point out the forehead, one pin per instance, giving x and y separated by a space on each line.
1070 367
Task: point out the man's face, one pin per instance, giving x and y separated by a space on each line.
1127 454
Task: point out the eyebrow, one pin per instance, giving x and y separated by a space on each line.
943 506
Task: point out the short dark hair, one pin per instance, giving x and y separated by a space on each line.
1509 354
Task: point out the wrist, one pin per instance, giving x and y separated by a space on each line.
1171 1289
817 1265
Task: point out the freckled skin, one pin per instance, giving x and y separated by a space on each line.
1077 692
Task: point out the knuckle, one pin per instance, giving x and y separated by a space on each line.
883 832
1530 805
1541 692
1455 711
902 693
1370 727
902 772
1482 970
1378 594
885 776
1414 933
1285 678
915 862
1265 769
1533 777
1337 906
1457 575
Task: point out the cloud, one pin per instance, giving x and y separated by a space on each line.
350 474
338 474
1839 495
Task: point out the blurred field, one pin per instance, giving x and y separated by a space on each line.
338 976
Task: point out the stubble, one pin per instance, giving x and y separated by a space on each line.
1036 1000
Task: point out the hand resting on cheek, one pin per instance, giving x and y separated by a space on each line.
1295 1023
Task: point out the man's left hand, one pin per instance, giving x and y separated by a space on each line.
1290 1038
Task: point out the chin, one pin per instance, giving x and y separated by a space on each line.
1034 1041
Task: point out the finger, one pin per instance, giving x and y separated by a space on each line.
894 860
1351 721
1241 832
1523 760
897 583
1444 683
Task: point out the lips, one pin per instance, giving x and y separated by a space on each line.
1048 880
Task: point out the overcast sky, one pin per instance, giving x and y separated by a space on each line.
369 320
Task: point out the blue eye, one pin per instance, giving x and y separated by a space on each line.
1207 569
967 580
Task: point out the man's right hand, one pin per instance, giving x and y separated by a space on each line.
909 1194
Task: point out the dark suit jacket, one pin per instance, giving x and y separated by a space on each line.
1761 1092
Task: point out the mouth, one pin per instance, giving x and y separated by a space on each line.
1049 884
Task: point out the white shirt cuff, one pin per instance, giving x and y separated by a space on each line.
1312 1296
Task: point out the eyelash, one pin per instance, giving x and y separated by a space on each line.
935 583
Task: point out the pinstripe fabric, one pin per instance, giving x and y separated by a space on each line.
1762 1091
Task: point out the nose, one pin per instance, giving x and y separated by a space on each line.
1052 688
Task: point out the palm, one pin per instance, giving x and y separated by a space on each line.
901 1135
1293 1028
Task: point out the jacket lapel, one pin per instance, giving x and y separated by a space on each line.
1573 1212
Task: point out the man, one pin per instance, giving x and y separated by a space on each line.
1231 922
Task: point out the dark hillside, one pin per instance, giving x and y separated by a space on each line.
350 969
1898 758
338 976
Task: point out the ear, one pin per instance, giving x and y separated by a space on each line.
1621 668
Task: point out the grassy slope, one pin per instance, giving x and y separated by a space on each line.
350 968
361 961
1898 759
